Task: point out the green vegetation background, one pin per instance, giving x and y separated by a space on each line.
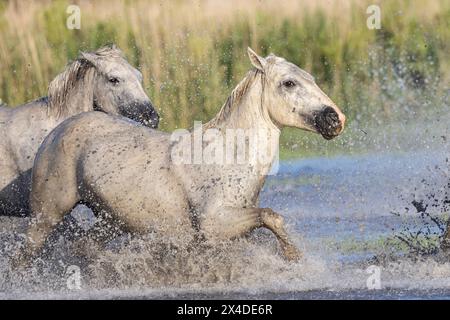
193 53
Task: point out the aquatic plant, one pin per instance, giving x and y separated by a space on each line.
430 235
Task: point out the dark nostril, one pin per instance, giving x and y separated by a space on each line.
330 115
327 110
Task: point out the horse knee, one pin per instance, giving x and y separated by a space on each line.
272 219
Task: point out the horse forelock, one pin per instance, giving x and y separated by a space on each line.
106 58
107 55
109 52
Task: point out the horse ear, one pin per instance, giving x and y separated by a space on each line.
257 61
91 57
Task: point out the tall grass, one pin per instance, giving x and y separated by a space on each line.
192 53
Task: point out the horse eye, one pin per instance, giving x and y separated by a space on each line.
289 83
114 80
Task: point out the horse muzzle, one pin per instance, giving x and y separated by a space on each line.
143 113
329 123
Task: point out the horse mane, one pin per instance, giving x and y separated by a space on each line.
235 98
66 85
61 89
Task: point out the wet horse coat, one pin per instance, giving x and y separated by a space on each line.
130 171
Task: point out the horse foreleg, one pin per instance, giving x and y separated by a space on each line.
275 222
229 222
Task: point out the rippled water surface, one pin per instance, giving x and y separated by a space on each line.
344 212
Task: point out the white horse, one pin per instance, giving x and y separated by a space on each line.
130 171
102 80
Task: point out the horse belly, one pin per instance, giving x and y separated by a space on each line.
227 186
141 199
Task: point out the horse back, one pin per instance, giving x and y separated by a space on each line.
94 140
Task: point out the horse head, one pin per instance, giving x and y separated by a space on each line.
103 81
293 98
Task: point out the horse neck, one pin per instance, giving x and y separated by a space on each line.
251 114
